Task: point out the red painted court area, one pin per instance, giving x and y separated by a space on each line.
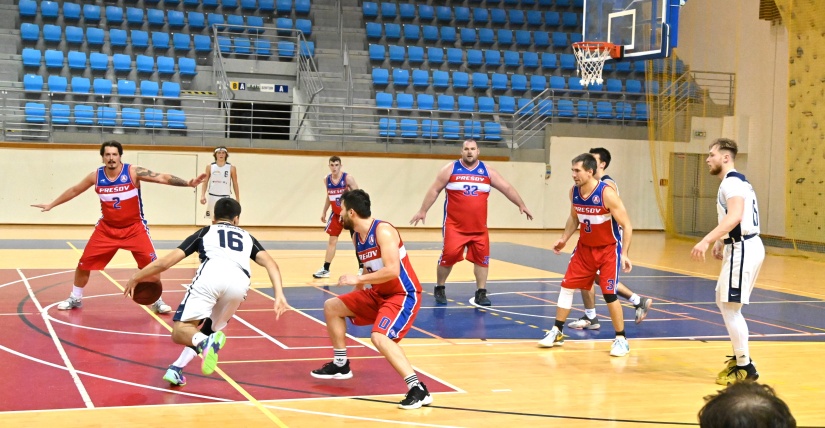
112 352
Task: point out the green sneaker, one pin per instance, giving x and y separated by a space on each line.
213 344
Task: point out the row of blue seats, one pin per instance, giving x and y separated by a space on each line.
475 57
91 12
621 110
59 114
447 35
81 85
480 16
100 61
195 20
499 81
388 127
447 103
118 38
263 47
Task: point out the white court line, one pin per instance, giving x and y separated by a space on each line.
359 418
261 332
35 277
78 383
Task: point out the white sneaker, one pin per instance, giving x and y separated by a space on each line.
70 303
585 323
552 338
620 347
160 307
322 273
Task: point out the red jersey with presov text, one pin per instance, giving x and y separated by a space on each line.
120 201
465 207
597 225
369 253
335 190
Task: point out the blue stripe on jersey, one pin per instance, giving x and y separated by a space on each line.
341 184
738 175
480 169
410 299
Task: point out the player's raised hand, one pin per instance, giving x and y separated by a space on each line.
43 207
698 251
557 247
198 180
419 216
627 266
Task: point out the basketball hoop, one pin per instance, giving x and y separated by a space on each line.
590 58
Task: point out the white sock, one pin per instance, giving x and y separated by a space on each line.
198 338
635 299
340 357
412 380
737 330
590 313
185 357
77 292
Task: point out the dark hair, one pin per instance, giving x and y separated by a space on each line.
334 159
227 209
746 404
726 144
215 152
111 143
357 200
604 155
588 161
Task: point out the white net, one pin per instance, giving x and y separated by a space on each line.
590 58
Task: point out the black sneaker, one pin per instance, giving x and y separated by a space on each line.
416 397
331 371
440 293
481 297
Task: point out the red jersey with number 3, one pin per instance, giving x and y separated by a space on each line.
465 207
335 190
120 201
597 225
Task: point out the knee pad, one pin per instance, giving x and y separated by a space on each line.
206 326
610 298
566 298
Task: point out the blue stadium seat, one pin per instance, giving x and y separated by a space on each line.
545 107
614 85
302 7
499 82
60 114
54 58
430 33
283 7
518 83
461 80
604 110
35 112
504 37
121 62
441 79
52 33
257 24
530 60
100 61
538 83
305 25
404 101
31 32
195 20
249 5
574 84
392 31
474 57
570 19
74 35
174 18
181 41
145 64
31 57
153 117
455 56
409 128
307 48
203 43
57 83
633 86
166 64
84 115
549 61
242 46
140 39
388 11
472 129
106 116
492 58
451 130
405 10
235 23
511 59
284 26
28 8
286 49
525 107
624 110
639 66
567 62
71 12
516 17
126 88
448 34
578 3
400 77
102 86
624 66
492 131
585 109
498 16
415 54
444 14
466 104
462 14
426 13
263 47
149 88
387 127
523 38
486 105
228 4
535 18
77 60
94 36
130 117
486 36
557 82
33 82
506 104
91 13
186 66
160 40
541 39
397 53
552 19
377 52
135 15
468 35
435 56
480 16
114 15
117 37
641 111
480 81
266 6
576 37
560 40
217 20
446 103
170 89
420 78
49 9
425 101
175 119
429 128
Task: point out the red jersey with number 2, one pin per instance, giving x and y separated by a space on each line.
465 207
120 201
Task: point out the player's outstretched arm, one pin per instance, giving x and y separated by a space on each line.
736 207
614 203
499 183
264 259
205 186
388 241
154 269
234 175
143 174
440 183
69 193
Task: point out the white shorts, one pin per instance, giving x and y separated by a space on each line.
210 204
216 292
740 267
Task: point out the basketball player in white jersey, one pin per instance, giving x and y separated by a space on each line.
218 289
736 242
221 177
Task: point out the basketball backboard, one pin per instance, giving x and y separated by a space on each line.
646 28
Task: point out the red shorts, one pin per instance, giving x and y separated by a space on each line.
106 240
477 245
334 225
587 260
392 316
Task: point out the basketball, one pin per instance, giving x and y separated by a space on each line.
146 293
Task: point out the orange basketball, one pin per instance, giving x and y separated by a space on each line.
146 293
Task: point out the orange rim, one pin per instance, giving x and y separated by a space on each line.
614 50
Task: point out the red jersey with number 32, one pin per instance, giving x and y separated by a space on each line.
120 201
465 207
597 226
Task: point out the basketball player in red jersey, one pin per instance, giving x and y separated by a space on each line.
122 225
336 183
467 182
